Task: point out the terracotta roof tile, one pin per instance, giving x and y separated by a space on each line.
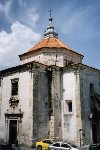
51 42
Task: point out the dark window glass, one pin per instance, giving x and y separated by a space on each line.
70 62
73 145
65 145
56 144
44 141
91 89
70 106
49 142
14 88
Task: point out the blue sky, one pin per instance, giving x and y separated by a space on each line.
23 22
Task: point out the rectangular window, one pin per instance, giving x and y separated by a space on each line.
68 106
91 89
14 90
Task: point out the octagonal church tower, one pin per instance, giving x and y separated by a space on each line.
51 51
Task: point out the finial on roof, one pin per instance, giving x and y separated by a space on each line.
50 32
50 12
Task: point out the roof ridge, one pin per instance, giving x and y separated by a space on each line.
47 41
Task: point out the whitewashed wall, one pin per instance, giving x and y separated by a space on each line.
69 118
24 103
76 87
52 57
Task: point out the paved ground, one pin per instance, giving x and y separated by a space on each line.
7 147
26 148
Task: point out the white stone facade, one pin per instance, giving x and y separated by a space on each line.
53 102
24 105
76 89
59 57
69 116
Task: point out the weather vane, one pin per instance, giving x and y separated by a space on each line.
50 11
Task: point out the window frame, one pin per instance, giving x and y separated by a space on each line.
68 107
16 82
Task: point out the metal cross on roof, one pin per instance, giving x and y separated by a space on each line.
50 11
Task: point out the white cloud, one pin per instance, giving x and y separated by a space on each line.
17 42
27 14
32 16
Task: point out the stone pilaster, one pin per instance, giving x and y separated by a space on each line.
55 121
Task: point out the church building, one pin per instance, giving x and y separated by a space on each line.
51 94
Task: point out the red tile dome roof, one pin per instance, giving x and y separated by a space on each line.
48 42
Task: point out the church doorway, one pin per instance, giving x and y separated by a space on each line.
12 131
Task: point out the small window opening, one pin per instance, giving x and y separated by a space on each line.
14 87
70 62
69 106
91 89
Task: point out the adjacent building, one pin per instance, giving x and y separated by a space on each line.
50 94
